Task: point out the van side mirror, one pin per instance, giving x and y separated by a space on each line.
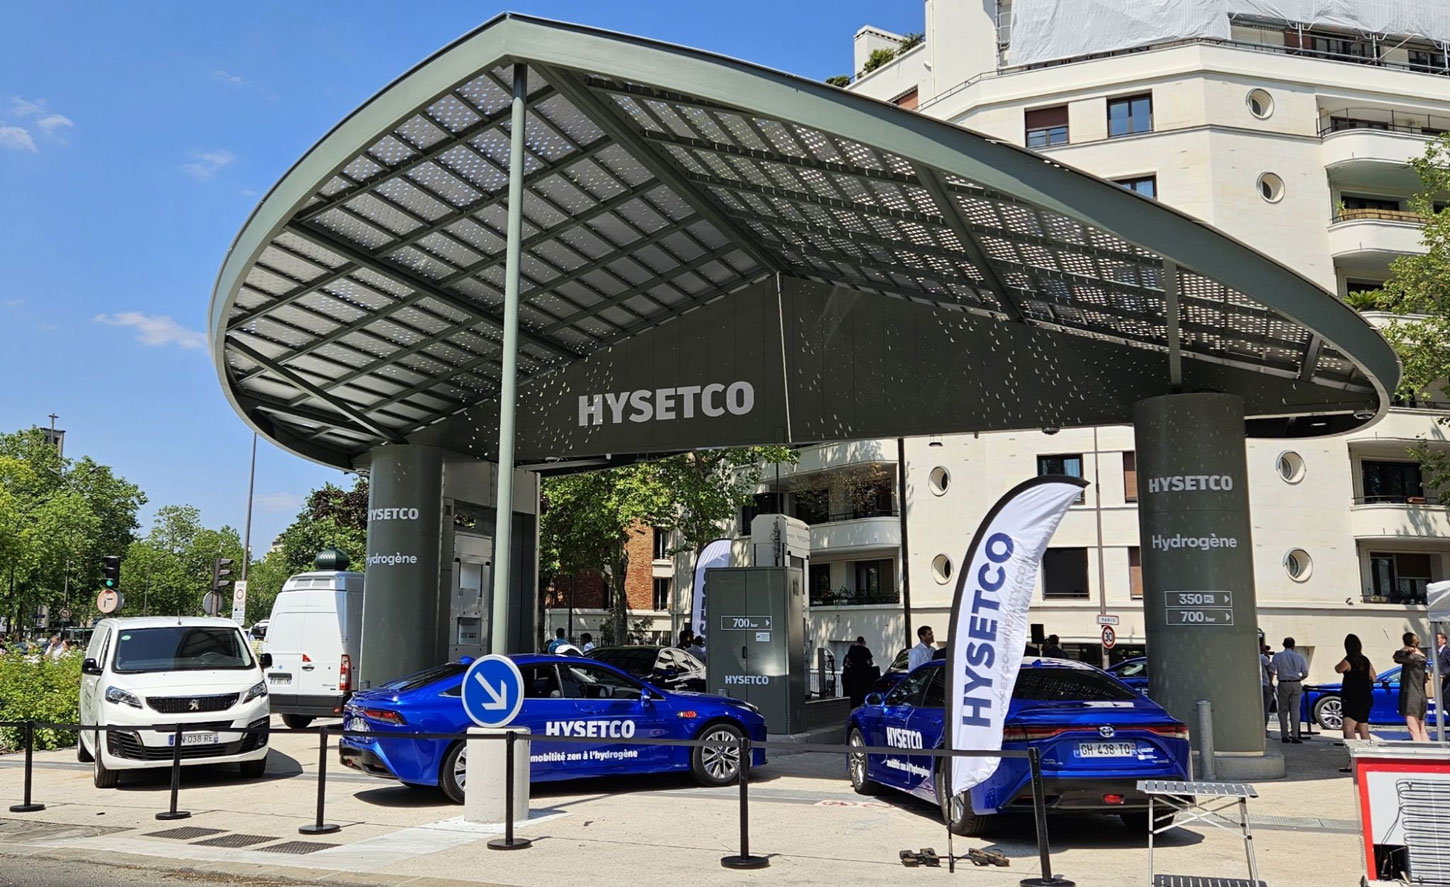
90 667
875 699
265 659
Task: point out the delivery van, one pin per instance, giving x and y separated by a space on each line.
314 635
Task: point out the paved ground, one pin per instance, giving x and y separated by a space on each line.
803 815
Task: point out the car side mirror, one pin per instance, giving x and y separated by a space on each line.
875 699
90 667
265 659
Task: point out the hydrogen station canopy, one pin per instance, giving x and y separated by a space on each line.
713 253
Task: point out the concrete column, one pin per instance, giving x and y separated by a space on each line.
1198 572
401 599
485 786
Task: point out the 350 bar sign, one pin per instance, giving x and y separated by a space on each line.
1199 608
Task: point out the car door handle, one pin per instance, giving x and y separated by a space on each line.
308 667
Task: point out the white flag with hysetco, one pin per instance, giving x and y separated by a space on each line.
989 618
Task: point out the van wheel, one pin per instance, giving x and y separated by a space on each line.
718 764
296 722
453 774
101 775
957 811
253 769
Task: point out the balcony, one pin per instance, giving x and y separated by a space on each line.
1399 517
857 532
1365 241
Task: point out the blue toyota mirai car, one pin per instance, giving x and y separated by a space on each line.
1322 703
1133 672
563 696
1096 736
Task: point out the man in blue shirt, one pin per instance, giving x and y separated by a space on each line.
558 641
1290 669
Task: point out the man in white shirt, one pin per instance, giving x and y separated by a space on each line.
588 640
1290 669
922 652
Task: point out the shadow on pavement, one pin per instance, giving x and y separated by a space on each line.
279 767
400 795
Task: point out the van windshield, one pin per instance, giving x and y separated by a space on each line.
181 648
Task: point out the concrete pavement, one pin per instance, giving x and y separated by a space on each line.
803 815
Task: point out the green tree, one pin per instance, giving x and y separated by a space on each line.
168 571
591 516
330 518
265 578
1419 293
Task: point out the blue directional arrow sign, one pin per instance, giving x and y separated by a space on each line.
493 691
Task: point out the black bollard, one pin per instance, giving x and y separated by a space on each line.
319 827
508 842
1039 809
173 813
29 807
744 860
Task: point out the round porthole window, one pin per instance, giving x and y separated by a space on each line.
1271 187
1291 467
941 569
1298 564
939 479
1261 104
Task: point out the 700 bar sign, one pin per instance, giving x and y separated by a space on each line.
1199 608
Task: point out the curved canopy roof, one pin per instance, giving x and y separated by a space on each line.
362 302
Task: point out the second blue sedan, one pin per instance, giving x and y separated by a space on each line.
1322 702
563 696
1097 738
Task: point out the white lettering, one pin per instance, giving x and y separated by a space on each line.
616 405
591 729
591 410
902 738
664 404
740 398
389 560
393 514
687 402
707 397
1181 483
643 409
1212 540
754 680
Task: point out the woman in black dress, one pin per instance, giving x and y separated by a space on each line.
1356 693
1412 686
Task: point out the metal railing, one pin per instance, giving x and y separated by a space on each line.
1398 499
1381 120
745 746
1378 215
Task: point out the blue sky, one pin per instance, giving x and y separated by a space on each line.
136 138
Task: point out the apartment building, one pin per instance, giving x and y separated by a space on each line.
1293 136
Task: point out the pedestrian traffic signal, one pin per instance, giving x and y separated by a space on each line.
111 572
221 573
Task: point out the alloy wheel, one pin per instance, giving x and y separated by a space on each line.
722 760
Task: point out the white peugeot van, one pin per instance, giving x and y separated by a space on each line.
198 673
314 635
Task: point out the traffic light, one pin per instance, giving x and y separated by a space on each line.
221 574
111 572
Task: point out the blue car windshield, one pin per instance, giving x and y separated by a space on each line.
426 677
1069 685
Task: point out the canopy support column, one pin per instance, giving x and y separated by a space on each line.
501 637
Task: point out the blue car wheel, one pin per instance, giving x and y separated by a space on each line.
856 764
453 771
716 765
957 811
1329 713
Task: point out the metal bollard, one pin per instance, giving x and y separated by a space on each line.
508 841
320 827
744 860
1205 741
173 813
27 806
1039 809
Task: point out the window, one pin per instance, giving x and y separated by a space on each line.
1068 464
1391 482
813 506
1064 573
1429 61
1299 565
662 544
765 503
181 648
1046 127
1290 466
912 687
907 100
662 593
939 480
871 498
941 569
1129 115
1271 187
821 591
1362 286
1383 204
1400 578
875 582
541 682
1135 573
597 682
1130 477
1069 685
936 690
1145 185
1260 103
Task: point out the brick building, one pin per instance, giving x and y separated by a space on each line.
648 590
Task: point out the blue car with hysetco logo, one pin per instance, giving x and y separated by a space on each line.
564 696
1097 738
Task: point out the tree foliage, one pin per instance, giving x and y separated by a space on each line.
330 518
1419 293
589 517
167 572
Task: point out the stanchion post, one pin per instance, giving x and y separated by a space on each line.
173 813
27 806
744 860
508 841
319 827
1039 809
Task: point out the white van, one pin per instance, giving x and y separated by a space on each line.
198 673
313 637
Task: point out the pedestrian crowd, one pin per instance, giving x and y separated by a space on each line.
53 647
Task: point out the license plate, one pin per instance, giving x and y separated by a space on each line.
1107 749
356 725
194 739
280 679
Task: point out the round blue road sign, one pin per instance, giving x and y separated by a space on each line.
493 691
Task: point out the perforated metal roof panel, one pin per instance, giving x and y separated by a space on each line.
362 301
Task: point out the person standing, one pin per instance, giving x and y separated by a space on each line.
924 650
1266 678
856 677
1290 669
1053 648
1412 663
1356 694
1442 664
588 640
558 641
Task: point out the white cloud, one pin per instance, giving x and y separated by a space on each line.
155 329
26 107
13 303
51 122
227 77
204 164
280 503
16 138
